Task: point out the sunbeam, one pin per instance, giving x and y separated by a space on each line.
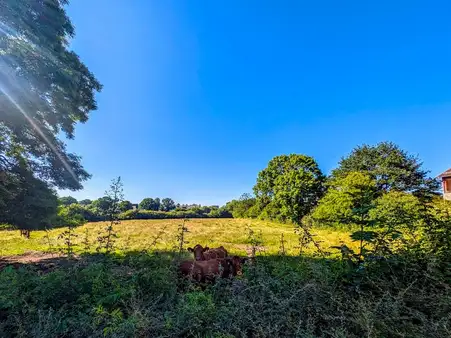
39 131
7 30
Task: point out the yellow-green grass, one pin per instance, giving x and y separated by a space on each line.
135 235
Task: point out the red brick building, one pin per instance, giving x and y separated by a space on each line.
446 183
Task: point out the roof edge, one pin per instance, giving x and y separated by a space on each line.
445 174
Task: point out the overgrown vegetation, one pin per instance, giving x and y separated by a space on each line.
391 277
140 294
378 279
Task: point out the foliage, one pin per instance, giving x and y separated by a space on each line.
68 236
167 204
85 202
115 195
70 216
180 237
436 231
239 208
102 205
125 205
150 204
140 295
67 200
28 203
45 91
147 214
391 168
398 210
293 182
348 200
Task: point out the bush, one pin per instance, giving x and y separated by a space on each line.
74 215
140 295
175 214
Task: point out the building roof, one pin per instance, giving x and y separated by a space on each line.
446 174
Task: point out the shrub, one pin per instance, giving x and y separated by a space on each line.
140 295
175 214
74 215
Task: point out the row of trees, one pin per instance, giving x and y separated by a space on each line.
292 186
166 204
153 204
71 211
379 192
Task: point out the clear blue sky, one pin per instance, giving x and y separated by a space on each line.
199 95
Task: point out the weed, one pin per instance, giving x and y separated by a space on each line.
106 241
68 236
180 237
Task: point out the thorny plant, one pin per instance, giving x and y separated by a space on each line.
49 242
158 237
68 237
85 242
180 237
106 241
282 251
255 240
306 237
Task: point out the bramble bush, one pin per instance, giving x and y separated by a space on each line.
140 294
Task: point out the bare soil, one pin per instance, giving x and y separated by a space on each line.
42 260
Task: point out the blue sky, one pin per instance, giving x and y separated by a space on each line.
199 95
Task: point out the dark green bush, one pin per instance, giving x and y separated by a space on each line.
141 295
190 213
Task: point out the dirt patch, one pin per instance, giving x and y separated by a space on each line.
43 261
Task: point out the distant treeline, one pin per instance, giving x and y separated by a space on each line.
75 212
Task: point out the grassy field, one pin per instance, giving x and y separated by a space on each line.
142 235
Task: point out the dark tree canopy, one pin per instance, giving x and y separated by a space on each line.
167 204
28 203
125 205
45 90
67 200
85 202
103 204
391 167
150 204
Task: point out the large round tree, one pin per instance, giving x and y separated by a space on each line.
391 167
293 182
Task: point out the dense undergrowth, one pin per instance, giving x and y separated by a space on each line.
140 294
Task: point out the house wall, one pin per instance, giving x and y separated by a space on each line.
447 188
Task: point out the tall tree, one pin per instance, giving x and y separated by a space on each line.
240 208
167 204
125 205
149 204
294 182
67 200
102 205
390 166
85 202
44 90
